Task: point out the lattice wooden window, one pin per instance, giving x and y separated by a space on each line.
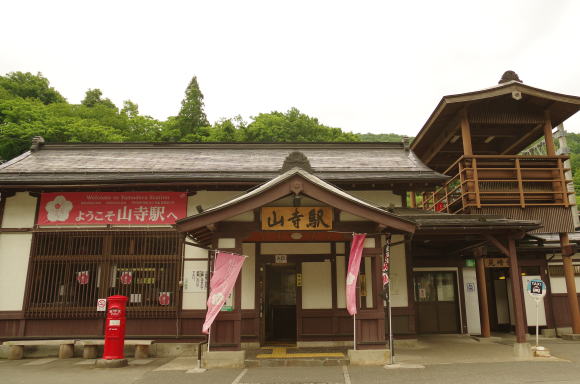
558 270
69 271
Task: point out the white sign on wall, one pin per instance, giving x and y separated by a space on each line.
101 305
196 281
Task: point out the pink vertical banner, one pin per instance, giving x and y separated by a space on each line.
227 267
356 249
386 261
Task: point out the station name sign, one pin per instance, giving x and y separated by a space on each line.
296 218
94 208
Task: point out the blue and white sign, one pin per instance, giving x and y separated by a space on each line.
537 289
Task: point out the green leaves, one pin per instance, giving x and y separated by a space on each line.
26 85
191 118
30 107
292 126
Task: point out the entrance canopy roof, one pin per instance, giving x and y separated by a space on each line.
296 181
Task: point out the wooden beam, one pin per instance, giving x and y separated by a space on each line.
570 284
466 134
443 139
522 139
496 243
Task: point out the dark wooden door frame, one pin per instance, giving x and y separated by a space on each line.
458 297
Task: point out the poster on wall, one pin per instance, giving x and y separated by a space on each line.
196 281
93 208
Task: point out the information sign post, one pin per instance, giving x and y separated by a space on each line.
537 289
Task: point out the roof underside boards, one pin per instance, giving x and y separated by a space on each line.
116 163
290 182
499 124
436 222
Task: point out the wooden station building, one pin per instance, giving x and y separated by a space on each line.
81 222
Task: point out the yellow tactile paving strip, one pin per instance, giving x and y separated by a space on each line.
281 353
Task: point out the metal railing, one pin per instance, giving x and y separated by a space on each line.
501 181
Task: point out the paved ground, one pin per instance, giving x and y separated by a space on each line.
455 360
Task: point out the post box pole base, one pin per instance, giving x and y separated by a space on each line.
114 363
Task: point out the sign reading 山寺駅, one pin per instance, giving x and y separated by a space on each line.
93 208
296 218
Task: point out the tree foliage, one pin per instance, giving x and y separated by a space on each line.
191 119
26 85
93 99
275 127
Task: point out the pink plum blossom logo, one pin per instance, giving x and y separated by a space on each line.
58 209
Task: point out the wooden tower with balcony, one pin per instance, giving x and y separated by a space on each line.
477 139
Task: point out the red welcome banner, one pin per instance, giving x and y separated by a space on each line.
90 208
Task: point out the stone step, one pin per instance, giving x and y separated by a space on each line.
296 362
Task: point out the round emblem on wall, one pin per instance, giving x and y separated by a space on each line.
83 277
164 298
126 277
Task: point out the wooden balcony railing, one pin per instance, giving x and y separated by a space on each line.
501 181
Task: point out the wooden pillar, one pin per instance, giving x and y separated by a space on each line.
516 283
467 151
482 291
548 136
466 135
413 200
570 283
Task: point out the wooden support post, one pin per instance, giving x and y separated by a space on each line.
570 284
548 136
482 291
466 135
516 283
413 200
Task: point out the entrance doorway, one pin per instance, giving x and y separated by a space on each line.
501 321
280 303
437 302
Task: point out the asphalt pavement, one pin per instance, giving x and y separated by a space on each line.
465 362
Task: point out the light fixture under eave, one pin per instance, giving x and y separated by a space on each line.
489 139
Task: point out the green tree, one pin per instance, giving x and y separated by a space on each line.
191 118
381 137
292 126
93 98
27 85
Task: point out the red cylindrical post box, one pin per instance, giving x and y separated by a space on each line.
115 328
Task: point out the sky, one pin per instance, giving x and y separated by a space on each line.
363 66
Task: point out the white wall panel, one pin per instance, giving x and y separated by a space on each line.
316 285
14 256
471 301
369 281
249 276
399 294
19 211
209 199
